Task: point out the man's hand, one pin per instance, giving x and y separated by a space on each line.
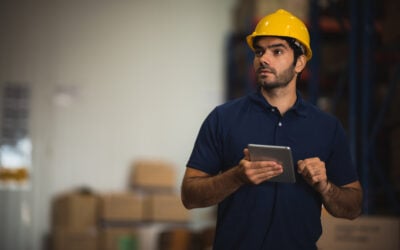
314 172
255 172
344 201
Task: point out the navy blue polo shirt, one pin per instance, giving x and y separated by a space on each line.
271 215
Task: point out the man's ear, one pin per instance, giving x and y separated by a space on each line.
301 63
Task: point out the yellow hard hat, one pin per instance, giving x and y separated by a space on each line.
282 23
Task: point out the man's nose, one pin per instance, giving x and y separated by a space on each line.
265 59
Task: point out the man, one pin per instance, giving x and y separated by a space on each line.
253 212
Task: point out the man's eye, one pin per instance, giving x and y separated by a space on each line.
278 52
258 53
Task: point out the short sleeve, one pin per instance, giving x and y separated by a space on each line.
340 166
206 153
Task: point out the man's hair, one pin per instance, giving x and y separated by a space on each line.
297 48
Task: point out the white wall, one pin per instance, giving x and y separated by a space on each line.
112 81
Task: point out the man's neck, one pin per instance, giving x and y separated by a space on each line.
281 98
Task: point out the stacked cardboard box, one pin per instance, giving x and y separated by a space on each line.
152 176
119 213
116 220
178 239
207 235
74 221
116 238
70 239
165 208
157 181
120 207
363 233
185 239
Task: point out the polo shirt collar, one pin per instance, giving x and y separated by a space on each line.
299 107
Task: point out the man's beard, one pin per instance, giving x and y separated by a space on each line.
282 80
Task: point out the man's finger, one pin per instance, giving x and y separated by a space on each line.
300 166
246 154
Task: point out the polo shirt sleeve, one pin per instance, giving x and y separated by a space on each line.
206 154
340 166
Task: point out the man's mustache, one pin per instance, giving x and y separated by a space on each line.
265 68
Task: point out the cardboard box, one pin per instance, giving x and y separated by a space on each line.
363 233
75 211
118 238
67 239
121 207
207 236
153 174
165 207
177 239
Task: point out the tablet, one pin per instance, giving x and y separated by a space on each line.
281 154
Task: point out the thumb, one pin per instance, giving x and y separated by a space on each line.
246 154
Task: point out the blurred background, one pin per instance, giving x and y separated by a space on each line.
101 101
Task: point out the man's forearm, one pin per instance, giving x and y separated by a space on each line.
343 202
204 191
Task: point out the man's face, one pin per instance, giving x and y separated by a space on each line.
273 63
